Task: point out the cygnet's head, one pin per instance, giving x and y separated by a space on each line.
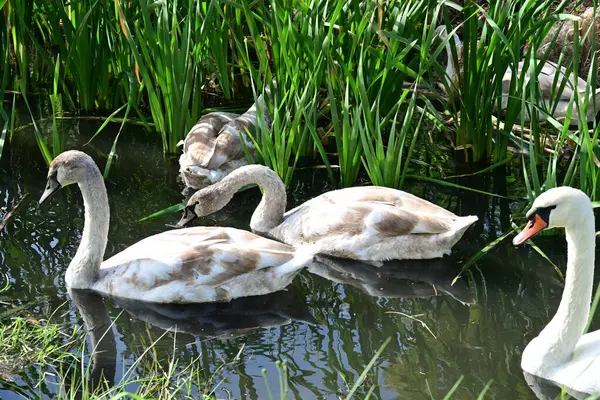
67 168
561 207
204 202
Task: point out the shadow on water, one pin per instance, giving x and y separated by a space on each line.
330 322
92 309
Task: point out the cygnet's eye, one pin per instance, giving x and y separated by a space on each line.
191 208
52 177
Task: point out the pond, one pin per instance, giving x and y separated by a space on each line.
327 327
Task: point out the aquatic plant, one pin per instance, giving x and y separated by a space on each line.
356 83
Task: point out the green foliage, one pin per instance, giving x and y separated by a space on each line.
162 43
355 81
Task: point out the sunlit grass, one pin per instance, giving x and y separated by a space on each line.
52 360
348 79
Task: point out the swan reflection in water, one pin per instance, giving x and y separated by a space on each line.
207 320
397 278
406 278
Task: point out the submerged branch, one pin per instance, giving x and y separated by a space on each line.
12 212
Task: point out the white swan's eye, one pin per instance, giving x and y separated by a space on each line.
542 212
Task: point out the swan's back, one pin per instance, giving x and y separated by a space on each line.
229 146
546 77
199 144
195 265
217 145
373 223
377 194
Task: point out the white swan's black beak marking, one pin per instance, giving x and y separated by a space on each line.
51 187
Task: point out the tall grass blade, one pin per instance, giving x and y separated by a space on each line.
369 366
166 211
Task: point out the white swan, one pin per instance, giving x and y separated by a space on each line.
561 353
365 223
195 265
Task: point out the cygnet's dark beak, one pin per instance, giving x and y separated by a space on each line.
188 216
51 187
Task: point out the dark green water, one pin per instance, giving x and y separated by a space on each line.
513 292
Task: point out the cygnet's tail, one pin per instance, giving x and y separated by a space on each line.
460 225
304 255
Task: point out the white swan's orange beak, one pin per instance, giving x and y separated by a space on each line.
534 225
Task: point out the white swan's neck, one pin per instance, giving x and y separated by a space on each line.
271 208
561 335
594 105
451 68
83 269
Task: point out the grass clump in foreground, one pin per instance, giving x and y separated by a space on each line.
52 365
46 358
50 360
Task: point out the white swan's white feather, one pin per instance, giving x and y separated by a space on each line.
583 372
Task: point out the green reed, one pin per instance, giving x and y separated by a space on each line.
294 61
491 43
162 43
573 160
4 67
94 54
350 77
20 16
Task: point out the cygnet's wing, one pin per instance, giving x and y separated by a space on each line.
379 194
191 265
198 146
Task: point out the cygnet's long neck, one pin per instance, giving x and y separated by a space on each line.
271 208
83 269
561 335
260 104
